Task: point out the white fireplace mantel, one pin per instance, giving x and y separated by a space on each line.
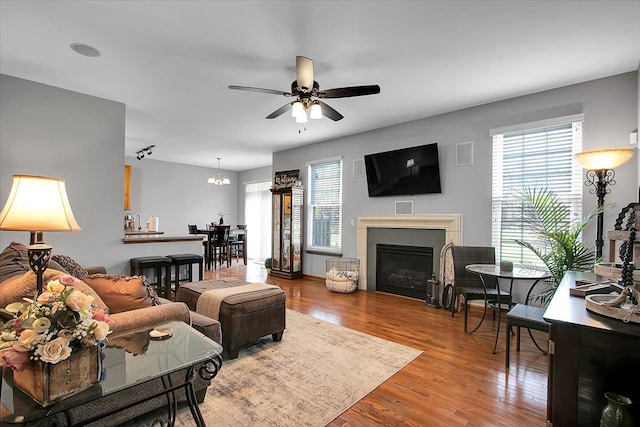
450 223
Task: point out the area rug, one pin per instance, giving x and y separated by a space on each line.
314 374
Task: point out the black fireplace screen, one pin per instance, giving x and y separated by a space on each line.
403 270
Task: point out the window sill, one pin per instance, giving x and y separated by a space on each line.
323 252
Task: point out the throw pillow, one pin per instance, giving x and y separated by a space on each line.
16 288
121 293
14 261
70 265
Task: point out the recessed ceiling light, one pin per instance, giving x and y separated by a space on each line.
85 49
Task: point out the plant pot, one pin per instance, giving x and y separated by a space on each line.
46 383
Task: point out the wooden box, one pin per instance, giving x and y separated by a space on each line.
47 383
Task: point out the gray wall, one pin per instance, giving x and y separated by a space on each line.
50 131
610 108
180 195
54 132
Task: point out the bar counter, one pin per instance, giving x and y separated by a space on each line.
159 238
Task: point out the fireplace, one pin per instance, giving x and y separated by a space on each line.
403 270
450 224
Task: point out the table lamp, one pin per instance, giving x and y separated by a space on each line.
600 173
37 204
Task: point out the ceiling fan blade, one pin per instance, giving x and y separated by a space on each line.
259 89
280 111
346 92
330 112
304 73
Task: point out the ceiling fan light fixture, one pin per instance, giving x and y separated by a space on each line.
302 118
316 111
297 109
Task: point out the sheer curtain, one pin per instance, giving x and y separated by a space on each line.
257 214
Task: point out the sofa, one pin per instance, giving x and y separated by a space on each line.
134 308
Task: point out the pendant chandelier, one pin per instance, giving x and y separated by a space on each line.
219 180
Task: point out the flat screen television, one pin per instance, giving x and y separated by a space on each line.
407 171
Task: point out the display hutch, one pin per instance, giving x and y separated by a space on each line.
287 217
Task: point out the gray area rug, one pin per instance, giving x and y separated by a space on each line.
314 374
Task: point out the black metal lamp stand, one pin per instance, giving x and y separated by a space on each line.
599 179
39 254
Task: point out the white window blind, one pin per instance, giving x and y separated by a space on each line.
324 207
540 157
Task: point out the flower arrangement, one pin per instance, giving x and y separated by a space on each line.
221 213
49 329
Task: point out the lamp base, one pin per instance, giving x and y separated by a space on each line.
39 255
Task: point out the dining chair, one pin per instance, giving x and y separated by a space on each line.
193 229
220 245
469 285
237 242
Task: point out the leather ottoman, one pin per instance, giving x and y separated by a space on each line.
244 317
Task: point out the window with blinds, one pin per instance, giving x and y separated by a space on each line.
533 155
324 207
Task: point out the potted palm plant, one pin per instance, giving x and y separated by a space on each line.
558 245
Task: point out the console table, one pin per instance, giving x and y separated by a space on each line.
590 354
163 362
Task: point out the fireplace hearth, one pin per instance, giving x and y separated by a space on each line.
403 270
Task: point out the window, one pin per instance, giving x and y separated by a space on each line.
257 214
532 155
324 208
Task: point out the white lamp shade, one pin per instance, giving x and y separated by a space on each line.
302 118
226 181
297 109
604 159
211 180
37 203
316 111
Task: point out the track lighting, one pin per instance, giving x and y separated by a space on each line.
147 150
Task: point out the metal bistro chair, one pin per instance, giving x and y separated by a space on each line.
470 285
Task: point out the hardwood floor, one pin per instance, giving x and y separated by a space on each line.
456 381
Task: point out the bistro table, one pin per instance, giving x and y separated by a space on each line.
517 273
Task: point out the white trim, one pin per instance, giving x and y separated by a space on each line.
556 121
325 160
450 223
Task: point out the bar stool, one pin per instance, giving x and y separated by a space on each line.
185 259
158 264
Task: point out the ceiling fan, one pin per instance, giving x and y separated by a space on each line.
305 90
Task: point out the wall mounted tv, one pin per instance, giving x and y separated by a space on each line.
413 170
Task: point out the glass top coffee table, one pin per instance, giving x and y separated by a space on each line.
161 361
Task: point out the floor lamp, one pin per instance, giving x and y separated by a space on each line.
600 174
37 204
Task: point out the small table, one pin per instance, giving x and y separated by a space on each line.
185 349
518 273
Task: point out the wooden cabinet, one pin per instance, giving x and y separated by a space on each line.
590 354
127 187
287 229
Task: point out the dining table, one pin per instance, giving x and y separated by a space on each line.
210 232
516 274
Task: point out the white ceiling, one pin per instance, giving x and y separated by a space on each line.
170 62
